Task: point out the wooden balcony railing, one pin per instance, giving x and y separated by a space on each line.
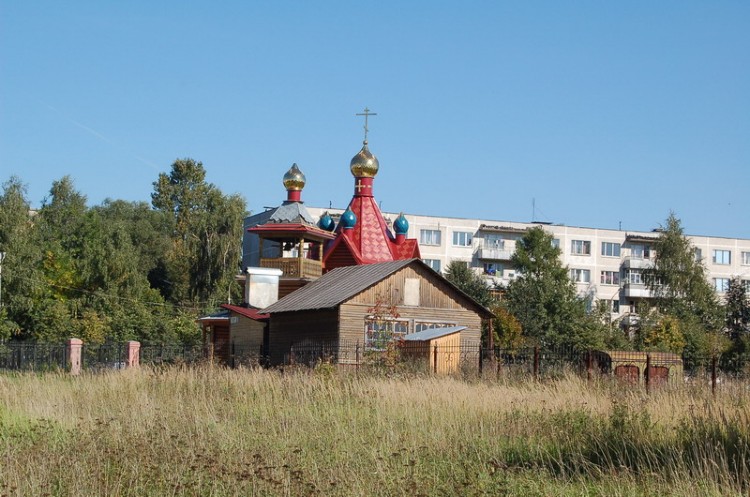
291 267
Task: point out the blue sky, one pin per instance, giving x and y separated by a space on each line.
604 114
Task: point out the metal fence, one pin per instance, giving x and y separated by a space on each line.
22 356
468 358
161 354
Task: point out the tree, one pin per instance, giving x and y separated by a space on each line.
206 232
22 283
737 309
473 285
543 297
679 284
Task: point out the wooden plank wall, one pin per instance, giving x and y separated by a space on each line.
438 302
289 328
246 334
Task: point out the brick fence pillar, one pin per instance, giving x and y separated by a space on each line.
132 354
75 346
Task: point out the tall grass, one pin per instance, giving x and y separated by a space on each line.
219 432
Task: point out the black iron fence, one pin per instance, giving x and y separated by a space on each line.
22 356
158 354
466 358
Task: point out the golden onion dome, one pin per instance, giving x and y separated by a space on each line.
364 164
294 179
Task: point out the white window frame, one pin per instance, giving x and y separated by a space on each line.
425 325
721 285
745 258
611 249
462 238
722 257
634 277
580 275
433 263
610 278
376 339
580 247
428 237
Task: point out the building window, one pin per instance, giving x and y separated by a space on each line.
745 258
698 254
634 277
492 241
746 284
610 278
426 325
580 247
462 239
556 242
379 332
616 306
721 285
433 263
491 268
429 237
722 257
611 249
580 275
640 252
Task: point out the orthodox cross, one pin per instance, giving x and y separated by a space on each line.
359 186
367 114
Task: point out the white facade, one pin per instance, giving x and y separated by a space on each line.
606 264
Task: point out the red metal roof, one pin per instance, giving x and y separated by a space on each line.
248 312
369 241
292 229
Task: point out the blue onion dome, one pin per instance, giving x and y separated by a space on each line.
364 164
348 219
294 179
326 222
401 225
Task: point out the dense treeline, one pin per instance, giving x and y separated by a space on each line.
120 270
685 315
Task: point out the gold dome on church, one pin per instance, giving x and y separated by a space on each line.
364 164
294 179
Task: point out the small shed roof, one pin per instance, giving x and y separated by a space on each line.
433 333
248 312
216 316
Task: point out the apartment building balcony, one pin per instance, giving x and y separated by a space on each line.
636 290
294 267
637 263
494 253
630 319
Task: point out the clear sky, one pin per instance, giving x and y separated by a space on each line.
604 114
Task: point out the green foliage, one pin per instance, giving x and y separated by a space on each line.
206 228
665 336
737 310
508 333
107 272
678 280
469 282
543 297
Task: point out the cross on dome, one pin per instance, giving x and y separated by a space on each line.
367 114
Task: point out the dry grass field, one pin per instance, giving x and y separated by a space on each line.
217 432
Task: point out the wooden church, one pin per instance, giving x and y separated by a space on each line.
330 278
